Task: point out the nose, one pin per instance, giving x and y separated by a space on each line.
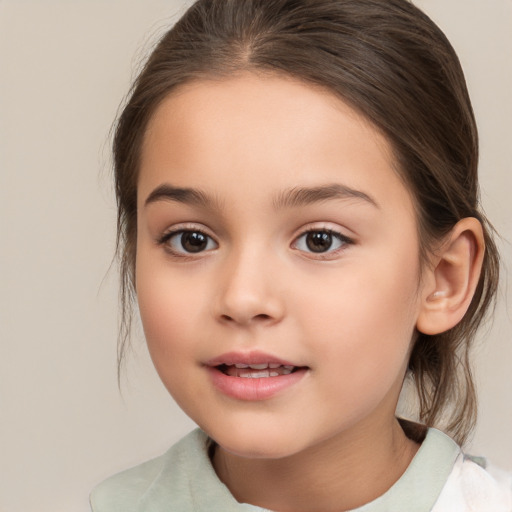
249 291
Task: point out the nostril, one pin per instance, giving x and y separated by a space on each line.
262 316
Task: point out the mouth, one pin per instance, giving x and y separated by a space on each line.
254 376
256 371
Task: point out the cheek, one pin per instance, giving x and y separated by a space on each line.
165 310
166 319
366 293
364 321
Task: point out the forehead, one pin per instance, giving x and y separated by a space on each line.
252 128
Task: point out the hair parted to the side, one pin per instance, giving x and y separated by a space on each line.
388 61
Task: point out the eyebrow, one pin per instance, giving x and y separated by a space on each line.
193 196
292 198
302 196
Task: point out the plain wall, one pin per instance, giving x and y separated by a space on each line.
64 68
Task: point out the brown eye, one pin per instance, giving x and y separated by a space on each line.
194 241
318 241
188 242
321 241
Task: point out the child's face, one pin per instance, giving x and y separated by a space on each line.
294 242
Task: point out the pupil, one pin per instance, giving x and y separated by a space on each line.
193 241
318 241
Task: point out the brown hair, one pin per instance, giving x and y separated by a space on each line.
391 63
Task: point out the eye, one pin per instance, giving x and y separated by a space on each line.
188 242
321 241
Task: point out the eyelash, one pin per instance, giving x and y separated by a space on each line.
343 241
321 255
166 237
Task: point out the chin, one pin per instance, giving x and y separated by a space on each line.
257 443
257 451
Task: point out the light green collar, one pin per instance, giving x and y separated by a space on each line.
416 491
184 479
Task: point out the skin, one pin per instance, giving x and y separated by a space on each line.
348 314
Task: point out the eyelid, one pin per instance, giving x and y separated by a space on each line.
184 226
327 228
163 239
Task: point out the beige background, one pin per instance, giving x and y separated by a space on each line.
64 67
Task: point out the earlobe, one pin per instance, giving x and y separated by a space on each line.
453 278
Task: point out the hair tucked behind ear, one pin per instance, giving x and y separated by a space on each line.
391 63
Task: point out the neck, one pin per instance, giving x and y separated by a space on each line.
332 476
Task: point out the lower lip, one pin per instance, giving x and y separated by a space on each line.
248 389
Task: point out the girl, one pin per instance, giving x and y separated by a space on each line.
298 217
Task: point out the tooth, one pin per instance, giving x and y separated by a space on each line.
274 374
255 375
286 371
274 365
263 366
240 365
288 367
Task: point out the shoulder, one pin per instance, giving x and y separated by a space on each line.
131 490
474 486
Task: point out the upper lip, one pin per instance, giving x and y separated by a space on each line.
248 358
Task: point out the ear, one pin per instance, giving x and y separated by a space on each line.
450 283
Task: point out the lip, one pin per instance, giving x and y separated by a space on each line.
252 389
254 357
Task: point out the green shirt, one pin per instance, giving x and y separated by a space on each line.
183 480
